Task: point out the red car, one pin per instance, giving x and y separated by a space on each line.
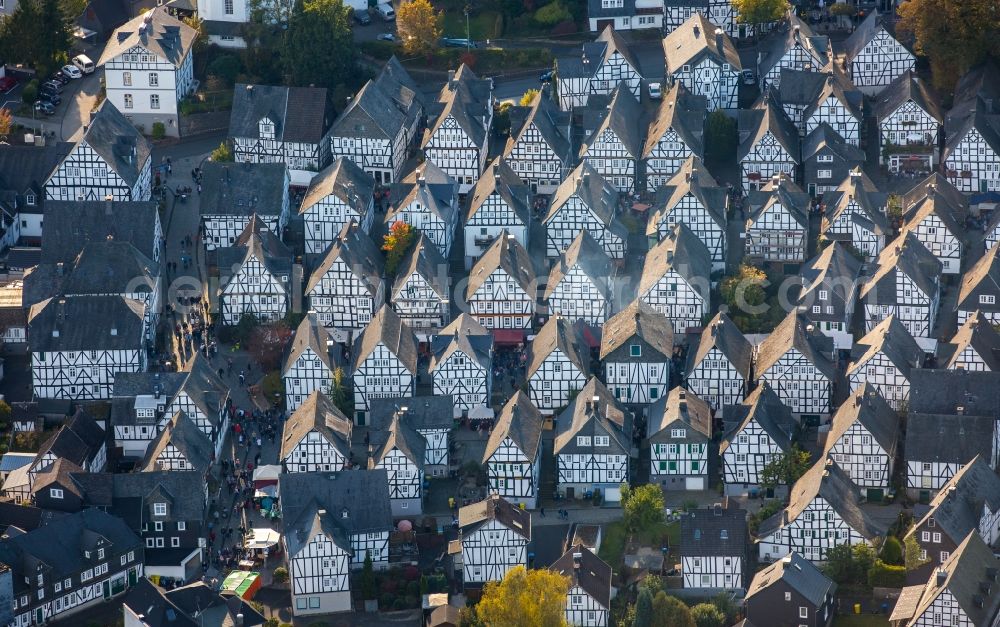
7 83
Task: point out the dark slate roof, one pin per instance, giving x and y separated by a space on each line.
242 189
205 389
798 573
907 87
26 167
183 434
977 333
317 413
118 142
70 225
59 473
798 332
507 185
183 491
691 178
624 116
558 334
943 391
465 334
940 189
811 90
683 252
594 54
836 271
257 241
363 493
313 335
360 254
980 119
86 323
107 267
24 517
441 199
589 256
864 33
766 116
966 570
597 10
600 196
298 113
344 180
982 82
859 188
870 410
825 480
520 421
587 571
400 435
722 333
795 32
714 532
765 408
424 259
908 255
890 338
982 278
420 412
958 506
506 253
201 600
382 106
495 507
298 532
388 328
824 137
679 406
594 412
466 100
695 39
551 123
158 32
638 322
967 437
683 112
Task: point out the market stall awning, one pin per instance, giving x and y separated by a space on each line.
508 336
266 475
262 538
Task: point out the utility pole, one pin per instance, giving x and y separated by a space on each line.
468 37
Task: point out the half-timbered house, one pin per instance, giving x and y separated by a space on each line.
793 45
714 549
588 601
637 345
864 440
601 66
261 281
979 289
593 445
972 129
585 201
80 442
718 367
513 454
70 226
823 511
233 193
884 359
316 437
632 15
676 278
539 151
827 159
111 159
579 284
937 222
379 125
796 361
345 287
558 364
399 449
855 215
147 604
829 293
310 362
970 501
24 169
761 430
278 124
975 346
502 285
791 591
769 143
906 283
679 433
457 140
675 136
430 416
777 228
494 537
421 293
812 99
462 365
909 122
614 147
501 201
383 361
873 58
430 206
340 193
721 13
180 446
702 57
693 197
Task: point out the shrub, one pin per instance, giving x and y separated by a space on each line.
885 575
225 67
30 92
399 604
552 13
280 574
892 551
159 130
411 573
386 600
413 589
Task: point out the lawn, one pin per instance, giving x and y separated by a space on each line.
613 542
481 27
861 620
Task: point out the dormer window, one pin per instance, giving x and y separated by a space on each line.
29 199
266 128
56 493
159 509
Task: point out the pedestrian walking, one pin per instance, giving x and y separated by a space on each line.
242 379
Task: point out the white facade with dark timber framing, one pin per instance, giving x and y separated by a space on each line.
980 288
829 293
111 159
720 12
713 549
346 288
909 121
679 433
539 152
579 285
421 294
762 430
676 279
718 366
342 192
316 437
855 214
493 537
702 57
262 272
796 361
462 365
558 364
500 202
601 66
588 602
584 201
884 359
863 440
614 148
233 193
431 417
777 229
872 58
769 143
972 152
693 197
428 206
974 347
400 450
384 362
675 135
811 99
793 45
513 454
937 216
501 288
309 364
637 344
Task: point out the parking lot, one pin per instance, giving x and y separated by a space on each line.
78 97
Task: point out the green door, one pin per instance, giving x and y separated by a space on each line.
107 589
39 616
133 576
876 495
925 496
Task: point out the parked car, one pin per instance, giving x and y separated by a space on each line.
361 16
655 91
44 107
387 37
7 83
72 71
84 64
50 97
385 10
53 85
60 78
546 77
457 42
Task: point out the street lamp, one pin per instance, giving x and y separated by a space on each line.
468 37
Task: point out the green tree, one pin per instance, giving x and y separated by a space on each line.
528 98
396 243
225 67
707 615
553 13
525 597
57 36
839 565
892 551
726 605
760 11
30 92
222 154
744 292
911 554
319 45
954 35
786 468
643 506
159 130
339 394
670 611
280 574
720 137
643 610
368 587
419 26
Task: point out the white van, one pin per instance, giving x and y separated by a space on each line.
385 10
83 63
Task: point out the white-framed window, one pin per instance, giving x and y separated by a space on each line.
987 299
154 101
128 101
56 493
159 509
803 612
127 79
154 79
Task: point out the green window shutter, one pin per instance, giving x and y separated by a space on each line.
672 465
663 465
694 465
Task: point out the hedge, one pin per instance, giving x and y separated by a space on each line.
884 575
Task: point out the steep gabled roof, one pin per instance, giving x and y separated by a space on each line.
505 183
695 179
714 531
798 573
638 321
683 112
399 435
440 199
969 575
682 406
298 113
683 252
908 255
343 179
584 252
594 412
465 98
767 116
465 334
558 333
494 507
508 254
424 259
595 54
958 506
86 323
697 38
158 32
798 332
319 414
358 252
979 334
184 435
835 270
890 338
420 412
782 192
862 35
313 335
866 407
387 328
786 36
70 225
870 201
358 498
600 196
382 107
624 116
763 407
550 123
118 143
824 136
723 334
520 421
966 436
983 276
907 87
243 189
587 571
